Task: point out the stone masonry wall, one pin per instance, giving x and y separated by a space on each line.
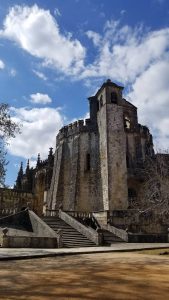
118 192
76 182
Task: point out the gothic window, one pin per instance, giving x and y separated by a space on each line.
127 161
114 97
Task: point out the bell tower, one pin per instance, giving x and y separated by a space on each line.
112 146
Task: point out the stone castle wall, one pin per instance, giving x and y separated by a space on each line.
76 179
96 160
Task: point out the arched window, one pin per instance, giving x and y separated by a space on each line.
114 97
127 122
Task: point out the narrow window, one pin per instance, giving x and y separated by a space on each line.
88 162
97 105
101 101
114 97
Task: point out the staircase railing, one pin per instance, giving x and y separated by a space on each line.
52 212
8 211
118 232
90 233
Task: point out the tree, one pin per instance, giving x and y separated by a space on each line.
154 191
8 129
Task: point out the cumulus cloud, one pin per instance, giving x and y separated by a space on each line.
39 98
37 32
135 56
94 36
2 65
138 58
150 93
39 129
125 52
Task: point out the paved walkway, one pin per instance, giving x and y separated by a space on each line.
23 253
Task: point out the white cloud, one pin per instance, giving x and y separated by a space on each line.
39 129
125 53
139 58
40 75
57 12
95 37
33 162
122 12
150 93
2 65
37 32
39 98
13 72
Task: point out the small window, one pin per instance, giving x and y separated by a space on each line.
87 162
101 101
127 161
114 97
97 105
127 123
132 193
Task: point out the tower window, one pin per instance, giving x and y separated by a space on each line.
87 162
127 123
101 101
97 105
114 97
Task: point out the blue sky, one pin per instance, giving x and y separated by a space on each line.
55 54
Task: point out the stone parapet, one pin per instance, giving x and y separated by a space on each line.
75 128
144 131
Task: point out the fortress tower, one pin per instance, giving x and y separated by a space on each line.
97 162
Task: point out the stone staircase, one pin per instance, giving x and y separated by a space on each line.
110 238
71 237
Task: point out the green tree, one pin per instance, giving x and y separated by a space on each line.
8 129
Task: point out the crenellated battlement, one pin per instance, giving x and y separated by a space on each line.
75 128
144 130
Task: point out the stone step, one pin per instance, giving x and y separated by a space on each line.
110 238
71 237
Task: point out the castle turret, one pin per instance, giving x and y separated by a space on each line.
112 145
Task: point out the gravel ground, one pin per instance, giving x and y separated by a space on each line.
88 276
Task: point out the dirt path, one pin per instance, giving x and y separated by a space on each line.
90 276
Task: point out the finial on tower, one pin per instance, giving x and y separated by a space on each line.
27 167
38 160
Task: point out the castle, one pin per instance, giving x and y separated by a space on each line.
97 162
87 187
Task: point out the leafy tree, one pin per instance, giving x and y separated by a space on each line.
8 129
